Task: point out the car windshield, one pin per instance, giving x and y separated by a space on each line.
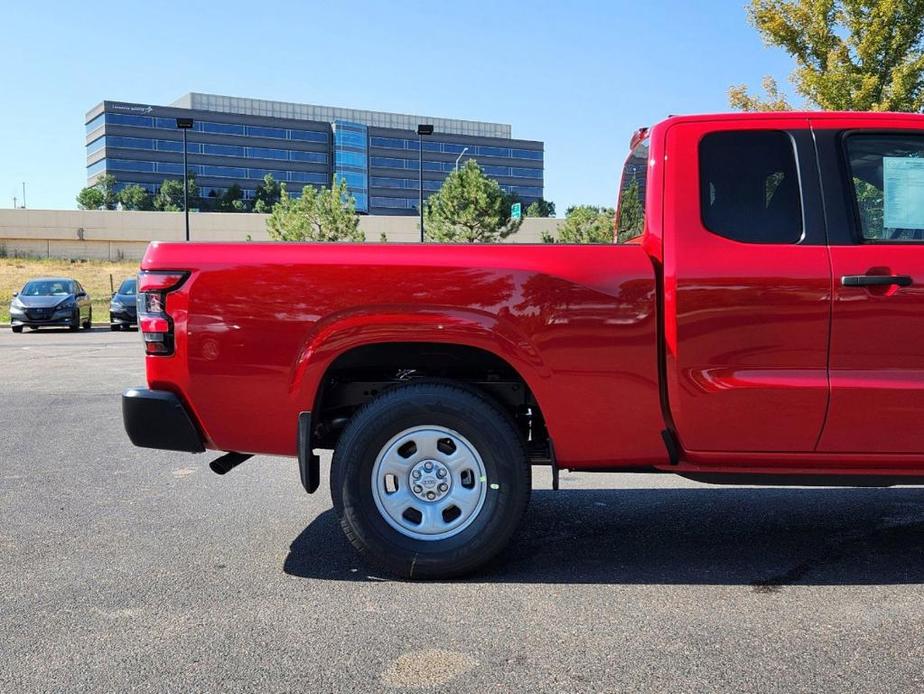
48 288
128 287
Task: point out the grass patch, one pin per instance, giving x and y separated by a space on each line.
92 274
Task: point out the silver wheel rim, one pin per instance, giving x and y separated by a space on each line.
429 483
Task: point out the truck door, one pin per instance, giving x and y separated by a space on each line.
873 173
747 286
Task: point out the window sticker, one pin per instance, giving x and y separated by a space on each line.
903 192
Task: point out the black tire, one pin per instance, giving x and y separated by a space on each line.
88 323
75 321
489 430
114 327
16 328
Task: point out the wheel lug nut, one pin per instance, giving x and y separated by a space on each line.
441 473
418 488
416 474
443 487
431 496
428 466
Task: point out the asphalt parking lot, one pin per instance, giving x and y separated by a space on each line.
126 569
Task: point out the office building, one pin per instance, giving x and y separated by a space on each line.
240 140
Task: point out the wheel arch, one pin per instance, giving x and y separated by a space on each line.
362 371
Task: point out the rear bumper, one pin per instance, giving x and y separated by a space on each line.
158 419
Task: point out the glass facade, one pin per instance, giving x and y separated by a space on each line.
204 191
434 185
395 203
96 145
236 151
212 127
456 148
138 154
351 160
204 170
403 203
448 166
97 122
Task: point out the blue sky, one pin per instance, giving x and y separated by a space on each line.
581 76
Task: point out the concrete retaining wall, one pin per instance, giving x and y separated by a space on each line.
117 235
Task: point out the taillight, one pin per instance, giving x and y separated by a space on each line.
153 320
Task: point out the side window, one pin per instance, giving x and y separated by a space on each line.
749 186
630 219
887 186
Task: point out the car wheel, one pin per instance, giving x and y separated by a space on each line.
16 328
114 327
89 322
430 480
75 320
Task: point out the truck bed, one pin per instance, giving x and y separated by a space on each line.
258 325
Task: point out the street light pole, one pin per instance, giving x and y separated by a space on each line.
420 182
459 157
23 195
185 124
422 129
185 184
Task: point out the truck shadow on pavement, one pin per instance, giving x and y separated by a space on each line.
764 538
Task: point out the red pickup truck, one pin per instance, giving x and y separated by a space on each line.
763 325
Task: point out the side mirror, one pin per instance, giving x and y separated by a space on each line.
81 295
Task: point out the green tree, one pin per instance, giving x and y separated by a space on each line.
170 196
101 195
469 207
90 198
267 194
320 214
232 200
541 208
106 185
852 55
631 220
135 197
870 203
774 100
584 224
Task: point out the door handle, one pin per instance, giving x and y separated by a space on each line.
876 280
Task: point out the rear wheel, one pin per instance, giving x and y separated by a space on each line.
88 323
430 480
17 328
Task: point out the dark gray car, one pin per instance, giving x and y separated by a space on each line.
51 302
123 311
